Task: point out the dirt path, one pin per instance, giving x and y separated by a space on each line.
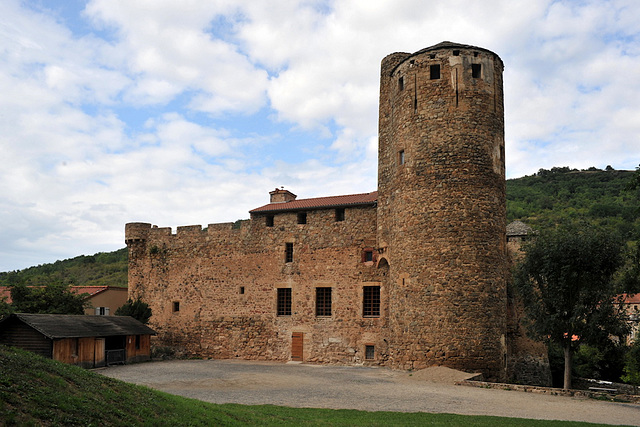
369 389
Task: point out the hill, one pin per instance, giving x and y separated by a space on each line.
542 200
598 197
39 391
104 268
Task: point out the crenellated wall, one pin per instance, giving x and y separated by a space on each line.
225 282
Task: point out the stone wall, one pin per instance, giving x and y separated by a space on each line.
224 282
441 207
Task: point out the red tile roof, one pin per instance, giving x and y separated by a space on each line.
631 299
321 202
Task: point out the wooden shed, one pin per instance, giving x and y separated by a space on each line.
87 341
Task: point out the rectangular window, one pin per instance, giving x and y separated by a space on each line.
176 306
476 70
302 218
369 352
401 157
284 302
323 301
269 220
339 214
371 301
401 83
137 342
288 252
241 290
434 72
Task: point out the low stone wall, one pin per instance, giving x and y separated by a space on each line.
628 398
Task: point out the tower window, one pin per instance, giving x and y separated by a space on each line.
323 301
284 302
339 214
434 71
371 301
401 83
476 70
288 252
176 306
401 157
302 217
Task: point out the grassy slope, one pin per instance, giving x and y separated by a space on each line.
38 391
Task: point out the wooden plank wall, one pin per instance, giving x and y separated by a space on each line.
17 334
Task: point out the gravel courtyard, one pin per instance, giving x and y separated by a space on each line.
349 387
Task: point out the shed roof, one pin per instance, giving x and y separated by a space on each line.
57 326
518 228
320 203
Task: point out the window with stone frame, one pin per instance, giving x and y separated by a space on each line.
284 302
269 221
323 301
288 252
369 352
371 301
302 217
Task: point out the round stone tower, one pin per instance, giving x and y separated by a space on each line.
441 208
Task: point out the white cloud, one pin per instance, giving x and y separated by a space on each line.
150 114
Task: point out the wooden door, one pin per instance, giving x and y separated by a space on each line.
297 339
98 353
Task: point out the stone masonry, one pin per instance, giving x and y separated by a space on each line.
410 276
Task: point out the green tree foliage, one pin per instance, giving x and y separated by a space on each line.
105 268
632 365
50 299
563 279
137 309
603 198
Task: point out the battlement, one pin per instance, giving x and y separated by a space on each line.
142 231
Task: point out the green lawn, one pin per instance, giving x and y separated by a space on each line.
37 391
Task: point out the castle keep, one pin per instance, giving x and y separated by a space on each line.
410 276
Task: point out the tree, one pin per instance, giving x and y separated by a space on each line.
565 283
49 299
632 365
137 309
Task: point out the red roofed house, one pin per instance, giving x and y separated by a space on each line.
103 300
631 305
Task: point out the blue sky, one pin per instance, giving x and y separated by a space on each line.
190 112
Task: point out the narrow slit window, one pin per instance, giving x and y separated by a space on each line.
401 83
288 252
241 290
401 157
476 71
434 71
176 306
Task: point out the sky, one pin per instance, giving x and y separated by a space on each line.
190 112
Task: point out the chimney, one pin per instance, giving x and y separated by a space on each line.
281 195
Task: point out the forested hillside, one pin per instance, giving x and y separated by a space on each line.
598 197
547 198
104 268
